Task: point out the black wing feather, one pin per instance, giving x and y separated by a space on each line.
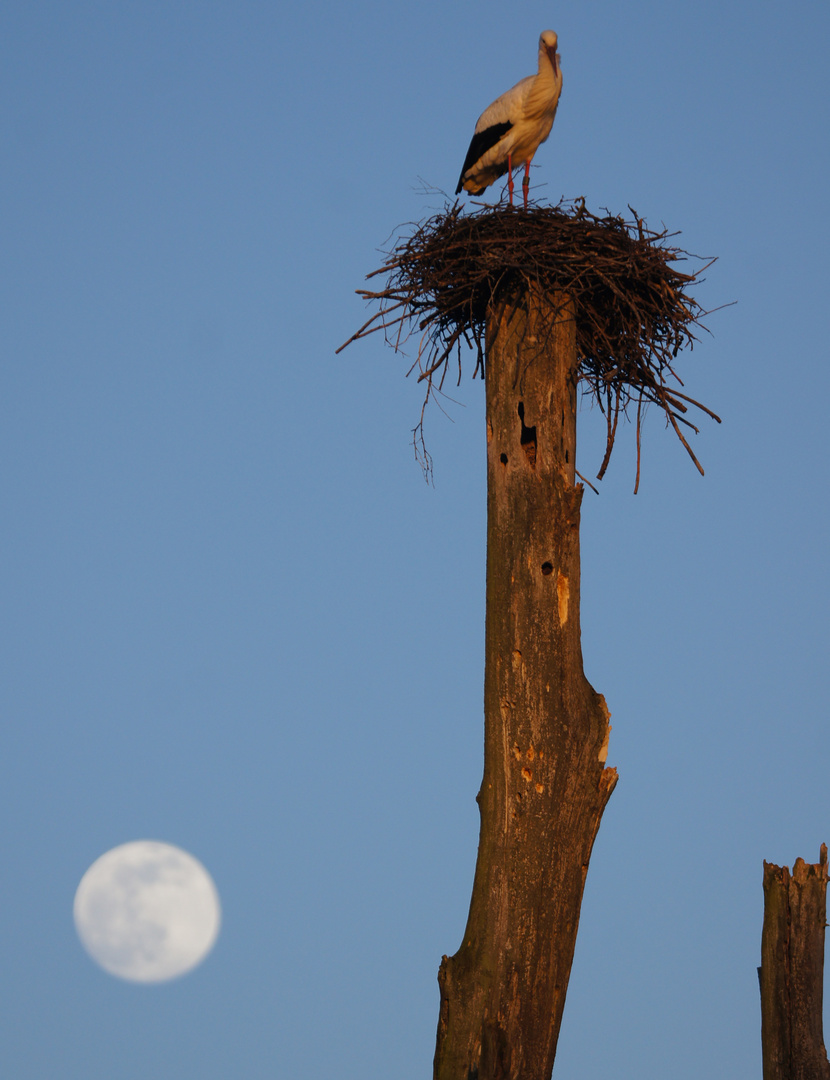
482 141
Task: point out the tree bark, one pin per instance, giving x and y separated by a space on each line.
792 971
546 730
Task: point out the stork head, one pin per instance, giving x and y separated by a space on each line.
547 44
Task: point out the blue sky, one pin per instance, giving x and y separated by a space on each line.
237 619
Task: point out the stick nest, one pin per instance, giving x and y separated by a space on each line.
633 311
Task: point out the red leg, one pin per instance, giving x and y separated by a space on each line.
510 176
526 181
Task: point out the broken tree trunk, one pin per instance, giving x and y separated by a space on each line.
792 971
546 730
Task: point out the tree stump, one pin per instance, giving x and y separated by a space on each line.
792 971
546 730
513 283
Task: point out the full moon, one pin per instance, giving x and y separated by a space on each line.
147 911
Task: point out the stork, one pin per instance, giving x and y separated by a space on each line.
510 131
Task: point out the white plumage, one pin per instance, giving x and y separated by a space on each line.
510 131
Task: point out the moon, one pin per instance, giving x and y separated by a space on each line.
147 911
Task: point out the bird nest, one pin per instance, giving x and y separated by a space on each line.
633 311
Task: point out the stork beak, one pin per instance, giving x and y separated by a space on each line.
554 60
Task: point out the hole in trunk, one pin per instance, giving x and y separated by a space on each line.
528 437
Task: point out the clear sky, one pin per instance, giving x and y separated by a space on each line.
236 619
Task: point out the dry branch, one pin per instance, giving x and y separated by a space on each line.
633 312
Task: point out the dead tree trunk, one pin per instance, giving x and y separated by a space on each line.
792 971
546 730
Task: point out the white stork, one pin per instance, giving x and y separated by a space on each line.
510 131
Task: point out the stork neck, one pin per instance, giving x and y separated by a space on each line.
547 71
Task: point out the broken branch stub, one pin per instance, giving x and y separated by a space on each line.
792 971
